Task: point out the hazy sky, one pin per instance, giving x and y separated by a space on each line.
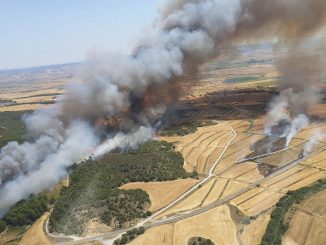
40 32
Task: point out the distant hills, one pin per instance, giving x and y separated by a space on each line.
38 74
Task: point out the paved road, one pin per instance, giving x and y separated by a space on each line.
195 187
148 223
179 199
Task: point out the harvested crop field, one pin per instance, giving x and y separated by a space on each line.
202 148
239 148
256 201
161 235
216 191
253 232
25 107
162 193
215 224
32 100
193 201
245 172
309 221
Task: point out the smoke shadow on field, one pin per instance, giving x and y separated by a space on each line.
221 105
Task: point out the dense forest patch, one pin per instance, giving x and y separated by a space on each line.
25 212
129 236
276 226
93 190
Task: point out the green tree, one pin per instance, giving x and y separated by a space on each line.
2 226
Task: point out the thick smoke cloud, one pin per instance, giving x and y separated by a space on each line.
118 99
301 71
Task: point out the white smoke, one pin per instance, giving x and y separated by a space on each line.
297 124
316 137
129 141
34 167
128 90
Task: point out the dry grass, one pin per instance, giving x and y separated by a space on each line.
216 191
161 235
232 187
35 234
299 227
246 196
239 169
162 193
253 233
256 200
309 221
94 227
25 92
22 107
193 201
237 150
27 96
285 175
215 224
285 183
202 148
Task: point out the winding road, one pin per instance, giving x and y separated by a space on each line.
150 222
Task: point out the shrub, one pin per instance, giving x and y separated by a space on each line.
276 228
2 226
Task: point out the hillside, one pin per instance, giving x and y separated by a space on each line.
93 191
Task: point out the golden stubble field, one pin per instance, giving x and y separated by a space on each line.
162 193
308 223
215 224
232 178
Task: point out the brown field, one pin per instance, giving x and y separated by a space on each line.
253 233
202 148
35 234
215 224
44 89
217 191
193 201
36 97
237 151
285 175
12 236
22 107
239 170
232 187
254 202
247 195
309 221
162 193
161 235
309 131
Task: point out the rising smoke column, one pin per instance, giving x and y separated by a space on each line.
316 137
301 71
127 91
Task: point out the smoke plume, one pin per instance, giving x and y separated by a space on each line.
118 99
301 70
316 137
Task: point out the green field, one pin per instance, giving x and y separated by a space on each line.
242 79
